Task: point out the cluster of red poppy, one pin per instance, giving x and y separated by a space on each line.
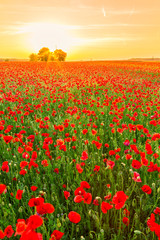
82 126
27 230
153 226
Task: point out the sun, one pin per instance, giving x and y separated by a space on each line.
53 36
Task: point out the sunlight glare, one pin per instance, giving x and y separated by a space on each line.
53 36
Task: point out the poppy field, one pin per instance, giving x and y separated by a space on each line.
80 151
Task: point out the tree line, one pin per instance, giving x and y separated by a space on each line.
45 55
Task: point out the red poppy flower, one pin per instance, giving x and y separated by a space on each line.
20 149
136 177
63 148
84 155
34 155
94 132
146 189
79 191
9 231
61 128
108 196
2 235
19 194
78 199
87 198
126 221
105 207
136 164
31 235
95 202
45 208
96 168
7 139
126 212
106 145
85 184
23 164
148 149
23 172
112 152
25 155
35 202
110 164
56 235
84 131
74 217
20 227
1 128
34 222
78 167
119 199
157 211
5 167
66 194
56 170
34 188
126 142
44 163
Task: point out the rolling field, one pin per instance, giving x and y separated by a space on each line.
80 151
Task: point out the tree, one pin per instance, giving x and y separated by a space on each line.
33 57
44 54
60 55
51 57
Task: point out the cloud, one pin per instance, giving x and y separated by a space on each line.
103 11
102 40
104 26
24 28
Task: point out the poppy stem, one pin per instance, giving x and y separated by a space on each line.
120 219
72 231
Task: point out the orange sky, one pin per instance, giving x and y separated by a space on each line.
86 29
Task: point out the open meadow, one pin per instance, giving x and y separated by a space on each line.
80 150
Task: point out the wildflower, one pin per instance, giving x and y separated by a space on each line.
119 199
146 189
105 207
74 217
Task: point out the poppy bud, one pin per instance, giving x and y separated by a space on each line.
20 209
153 185
82 238
134 202
58 223
77 228
91 235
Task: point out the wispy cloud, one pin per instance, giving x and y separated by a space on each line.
107 40
103 11
123 12
23 28
103 26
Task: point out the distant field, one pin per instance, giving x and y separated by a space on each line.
80 150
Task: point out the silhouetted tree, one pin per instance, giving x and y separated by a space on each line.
60 55
33 57
43 54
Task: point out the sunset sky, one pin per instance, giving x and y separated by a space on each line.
86 29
